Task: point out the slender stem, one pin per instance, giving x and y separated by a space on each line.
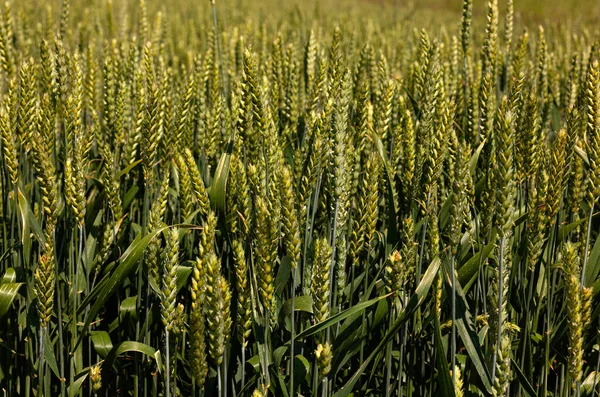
219 381
167 365
214 14
266 351
332 265
225 374
453 329
587 242
61 368
243 362
292 331
499 327
597 370
388 375
41 364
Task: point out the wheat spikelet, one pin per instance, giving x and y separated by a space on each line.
216 309
265 253
156 217
558 175
96 377
290 223
8 145
169 285
197 183
185 188
244 298
320 286
324 355
44 279
505 194
490 45
508 26
458 385
26 108
6 38
198 364
184 120
570 263
593 130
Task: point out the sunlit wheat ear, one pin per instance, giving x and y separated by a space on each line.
460 187
571 267
324 355
575 166
7 50
394 272
169 286
185 188
197 323
27 103
504 146
593 130
197 182
320 280
558 174
505 197
465 31
44 284
586 306
508 26
458 386
96 377
290 222
216 309
487 110
407 158
244 294
239 203
265 254
8 146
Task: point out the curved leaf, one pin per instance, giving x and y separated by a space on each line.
183 273
467 271
29 221
10 276
74 387
131 346
593 266
301 303
217 190
338 317
8 293
129 307
102 343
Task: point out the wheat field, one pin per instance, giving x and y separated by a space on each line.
361 198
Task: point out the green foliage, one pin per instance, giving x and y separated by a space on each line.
252 198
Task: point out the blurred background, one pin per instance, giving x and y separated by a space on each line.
533 11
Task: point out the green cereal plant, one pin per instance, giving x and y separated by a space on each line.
314 198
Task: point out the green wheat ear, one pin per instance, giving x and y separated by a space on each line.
169 290
320 286
571 267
